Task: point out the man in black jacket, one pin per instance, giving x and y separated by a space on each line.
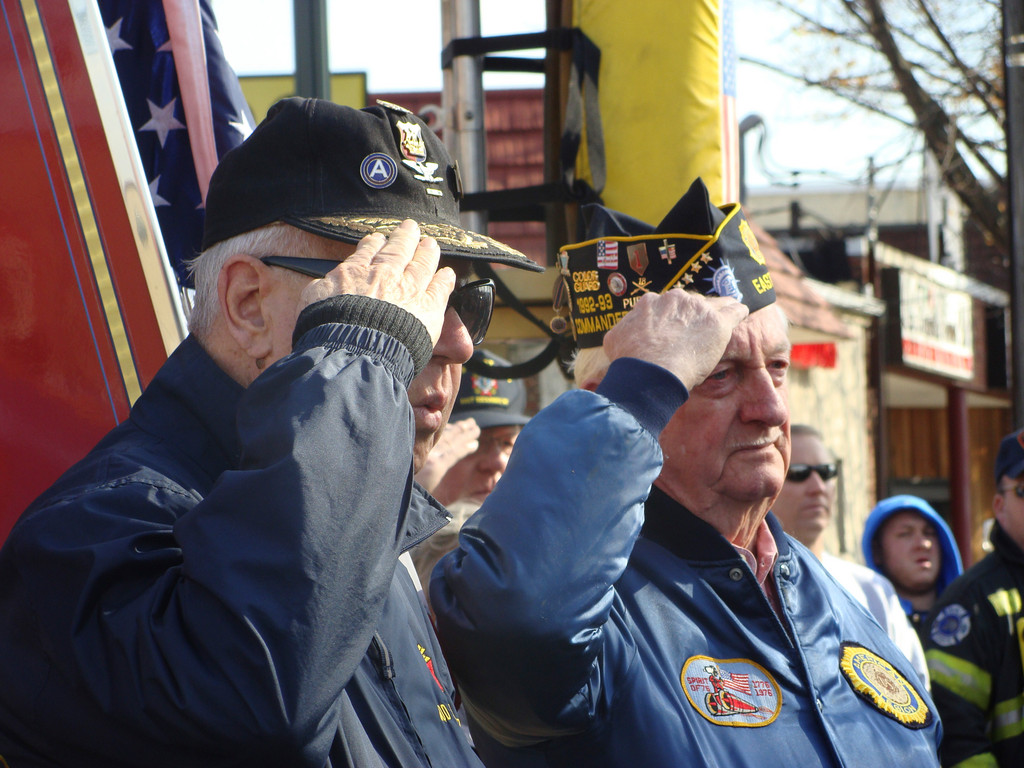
975 644
218 583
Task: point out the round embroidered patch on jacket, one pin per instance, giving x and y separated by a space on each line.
951 626
734 692
877 682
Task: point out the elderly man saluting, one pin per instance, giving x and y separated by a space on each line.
624 597
218 582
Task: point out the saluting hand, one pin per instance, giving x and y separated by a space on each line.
400 269
681 331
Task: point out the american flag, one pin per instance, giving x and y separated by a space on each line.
730 123
185 105
607 254
667 251
740 683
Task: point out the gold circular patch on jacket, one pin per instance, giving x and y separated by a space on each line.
878 682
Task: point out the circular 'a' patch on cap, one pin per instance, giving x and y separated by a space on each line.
491 402
697 246
343 173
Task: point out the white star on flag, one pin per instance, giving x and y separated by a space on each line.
242 125
157 200
114 38
162 120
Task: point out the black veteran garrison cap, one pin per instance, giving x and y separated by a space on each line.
697 246
343 173
490 402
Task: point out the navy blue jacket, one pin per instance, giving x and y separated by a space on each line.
590 624
217 582
975 653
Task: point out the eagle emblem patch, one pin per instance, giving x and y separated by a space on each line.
876 681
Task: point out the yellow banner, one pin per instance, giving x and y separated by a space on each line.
666 116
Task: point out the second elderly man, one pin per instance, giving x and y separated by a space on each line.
592 619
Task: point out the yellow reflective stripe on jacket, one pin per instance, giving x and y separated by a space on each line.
966 680
1008 718
986 760
1006 601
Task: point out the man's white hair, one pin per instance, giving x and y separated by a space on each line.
277 239
590 364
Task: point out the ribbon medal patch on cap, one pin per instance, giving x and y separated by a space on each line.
733 692
951 626
876 681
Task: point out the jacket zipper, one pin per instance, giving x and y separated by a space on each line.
385 661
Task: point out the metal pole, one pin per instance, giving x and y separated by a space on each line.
311 73
463 104
560 218
877 345
1013 41
747 124
959 470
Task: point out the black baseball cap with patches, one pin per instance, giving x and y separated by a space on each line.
697 246
343 173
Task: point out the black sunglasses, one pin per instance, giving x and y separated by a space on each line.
800 472
472 302
1018 490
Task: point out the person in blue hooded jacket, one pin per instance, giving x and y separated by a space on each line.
910 544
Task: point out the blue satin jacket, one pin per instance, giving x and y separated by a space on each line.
590 625
217 582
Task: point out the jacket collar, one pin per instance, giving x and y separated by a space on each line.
192 404
1005 546
426 517
672 526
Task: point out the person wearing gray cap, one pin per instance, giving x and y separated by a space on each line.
217 583
497 407
486 419
624 596
975 636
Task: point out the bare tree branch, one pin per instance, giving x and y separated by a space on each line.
830 87
939 132
977 85
933 61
